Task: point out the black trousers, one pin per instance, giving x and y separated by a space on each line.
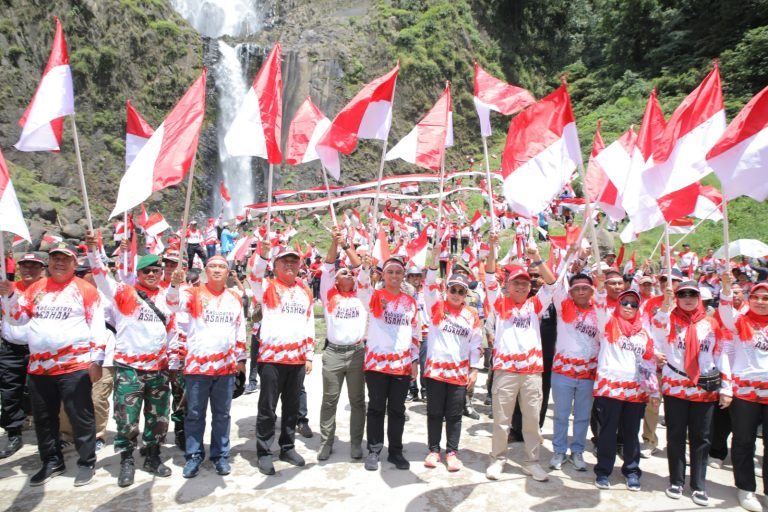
745 417
694 420
283 381
421 380
386 393
303 410
464 242
253 375
615 414
14 360
446 402
73 390
193 249
454 245
721 429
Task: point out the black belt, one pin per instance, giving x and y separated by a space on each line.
16 347
344 348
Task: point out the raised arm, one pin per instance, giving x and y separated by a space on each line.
104 281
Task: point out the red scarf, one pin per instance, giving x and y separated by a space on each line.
748 322
571 311
689 319
618 325
334 294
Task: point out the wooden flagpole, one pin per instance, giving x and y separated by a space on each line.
328 191
374 219
86 205
185 216
441 181
668 255
125 237
726 236
489 183
269 200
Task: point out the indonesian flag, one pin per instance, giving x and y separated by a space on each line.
679 160
477 220
468 255
307 126
417 250
168 154
426 142
680 226
137 134
448 209
143 217
497 95
52 239
256 128
240 250
541 152
709 204
740 156
631 266
155 245
462 206
381 247
156 224
224 192
367 116
409 187
17 241
11 216
607 164
43 121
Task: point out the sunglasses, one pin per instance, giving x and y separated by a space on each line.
630 304
687 295
457 290
153 270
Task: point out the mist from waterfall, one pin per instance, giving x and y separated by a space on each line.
217 18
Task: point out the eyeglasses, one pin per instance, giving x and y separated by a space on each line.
759 298
687 295
629 304
153 270
457 290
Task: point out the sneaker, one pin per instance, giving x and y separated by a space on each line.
292 457
646 450
700 498
372 461
715 463
602 482
452 462
222 467
494 470
398 460
674 491
413 395
99 444
192 467
356 451
432 460
556 462
251 387
470 412
304 430
325 452
265 465
749 501
13 445
577 459
536 472
84 475
633 482
49 470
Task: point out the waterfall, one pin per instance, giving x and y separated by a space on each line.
217 18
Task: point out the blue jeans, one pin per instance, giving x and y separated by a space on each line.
569 393
200 390
211 250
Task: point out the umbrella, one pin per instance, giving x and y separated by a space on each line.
744 247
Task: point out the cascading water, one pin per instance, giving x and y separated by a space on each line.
215 19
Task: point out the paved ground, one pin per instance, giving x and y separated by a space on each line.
340 482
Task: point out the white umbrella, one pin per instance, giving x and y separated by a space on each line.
744 247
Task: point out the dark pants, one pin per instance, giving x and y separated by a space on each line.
721 429
464 243
14 360
202 389
386 393
421 380
283 381
613 414
72 390
454 245
301 418
193 249
253 375
694 420
446 401
316 288
745 417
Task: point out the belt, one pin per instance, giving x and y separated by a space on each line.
21 347
345 348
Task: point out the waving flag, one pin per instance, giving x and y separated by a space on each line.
477 221
11 216
43 121
224 192
380 251
494 94
156 224
137 133
417 250
607 164
409 187
308 125
541 152
256 128
168 154
367 116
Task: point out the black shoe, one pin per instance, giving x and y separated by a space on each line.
14 444
49 470
292 457
515 436
180 440
470 412
127 469
413 395
84 475
423 394
304 430
488 400
398 460
265 465
372 461
153 464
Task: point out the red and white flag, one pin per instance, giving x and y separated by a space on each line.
224 192
240 250
740 157
256 128
477 221
680 226
426 142
631 266
52 239
143 217
417 250
497 95
307 126
11 216
137 134
43 121
156 224
709 204
605 165
381 248
367 116
168 154
541 152
18 240
409 187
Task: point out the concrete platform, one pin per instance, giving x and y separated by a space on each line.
343 484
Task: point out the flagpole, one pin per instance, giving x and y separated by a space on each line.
185 216
577 244
375 220
2 256
668 254
726 236
86 205
656 248
269 200
488 182
328 190
588 222
441 181
694 228
125 236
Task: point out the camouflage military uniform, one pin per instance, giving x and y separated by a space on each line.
134 389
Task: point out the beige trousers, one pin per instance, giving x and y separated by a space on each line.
509 388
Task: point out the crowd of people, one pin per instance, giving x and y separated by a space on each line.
166 342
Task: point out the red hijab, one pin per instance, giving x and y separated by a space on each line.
618 325
689 319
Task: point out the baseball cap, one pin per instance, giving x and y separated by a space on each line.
705 293
63 248
172 255
286 251
630 292
645 280
458 280
461 268
413 271
516 272
32 257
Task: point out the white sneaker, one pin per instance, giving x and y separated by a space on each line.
749 501
646 450
494 470
715 463
536 472
557 460
577 459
